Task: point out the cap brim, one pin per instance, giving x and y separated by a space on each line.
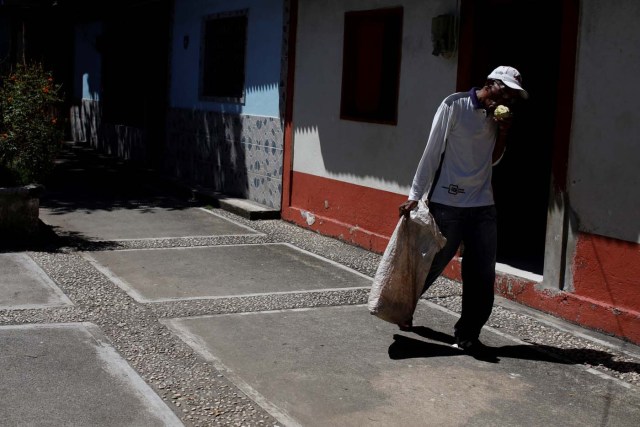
523 93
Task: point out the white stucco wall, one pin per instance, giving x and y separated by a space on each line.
263 55
374 155
604 163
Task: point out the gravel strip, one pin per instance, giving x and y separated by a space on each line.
193 387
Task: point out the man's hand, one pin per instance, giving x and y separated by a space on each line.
503 118
407 207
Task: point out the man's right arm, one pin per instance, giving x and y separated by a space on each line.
407 207
423 177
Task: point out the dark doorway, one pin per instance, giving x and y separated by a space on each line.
525 34
135 52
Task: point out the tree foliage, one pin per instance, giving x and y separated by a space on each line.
31 131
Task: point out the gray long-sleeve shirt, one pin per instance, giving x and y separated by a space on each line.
463 127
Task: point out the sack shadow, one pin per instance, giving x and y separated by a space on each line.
404 347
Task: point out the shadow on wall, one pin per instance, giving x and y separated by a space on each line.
205 148
236 155
87 126
343 154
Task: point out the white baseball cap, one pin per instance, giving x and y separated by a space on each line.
510 77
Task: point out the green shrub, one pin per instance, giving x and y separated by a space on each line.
31 132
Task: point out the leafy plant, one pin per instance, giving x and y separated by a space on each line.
31 132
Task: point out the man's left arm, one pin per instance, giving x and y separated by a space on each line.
500 145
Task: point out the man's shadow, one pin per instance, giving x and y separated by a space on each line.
404 347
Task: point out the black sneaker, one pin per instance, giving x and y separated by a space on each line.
476 349
467 345
407 325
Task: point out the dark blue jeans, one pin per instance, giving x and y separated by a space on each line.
476 229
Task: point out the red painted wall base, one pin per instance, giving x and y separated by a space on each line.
606 294
348 233
581 310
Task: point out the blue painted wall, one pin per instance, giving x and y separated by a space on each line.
86 73
263 56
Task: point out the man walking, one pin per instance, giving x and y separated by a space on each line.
467 138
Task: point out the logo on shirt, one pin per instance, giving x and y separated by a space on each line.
454 189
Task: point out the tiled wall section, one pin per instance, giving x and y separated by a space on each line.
85 121
125 142
237 155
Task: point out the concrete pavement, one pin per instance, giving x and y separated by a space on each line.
142 305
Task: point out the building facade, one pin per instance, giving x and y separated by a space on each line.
321 109
567 186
